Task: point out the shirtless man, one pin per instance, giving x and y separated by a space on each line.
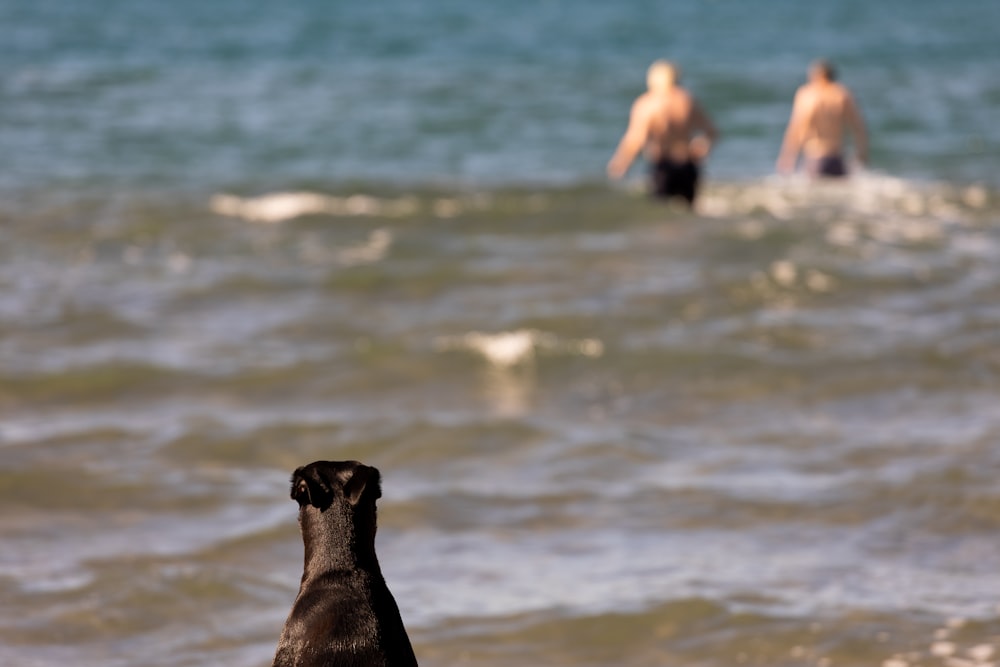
823 109
670 126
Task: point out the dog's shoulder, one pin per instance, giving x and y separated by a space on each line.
331 624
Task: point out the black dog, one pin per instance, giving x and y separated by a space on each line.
344 613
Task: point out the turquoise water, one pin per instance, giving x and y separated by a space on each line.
209 95
611 432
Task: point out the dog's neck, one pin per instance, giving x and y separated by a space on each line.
335 541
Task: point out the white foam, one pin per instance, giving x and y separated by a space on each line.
818 281
447 208
372 250
976 196
282 206
981 652
503 349
943 649
511 348
867 195
947 651
784 272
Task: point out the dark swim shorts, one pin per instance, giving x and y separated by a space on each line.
675 179
828 165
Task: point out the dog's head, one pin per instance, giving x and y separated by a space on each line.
321 483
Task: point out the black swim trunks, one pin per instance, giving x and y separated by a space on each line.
675 179
829 165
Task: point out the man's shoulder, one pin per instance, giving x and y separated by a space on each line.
643 101
844 91
806 90
649 102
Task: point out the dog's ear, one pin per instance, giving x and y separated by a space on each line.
360 481
308 488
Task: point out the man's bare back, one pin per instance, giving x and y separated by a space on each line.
668 125
822 111
669 118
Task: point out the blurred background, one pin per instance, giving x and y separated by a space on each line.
239 237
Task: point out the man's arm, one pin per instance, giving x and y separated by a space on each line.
792 143
857 124
632 142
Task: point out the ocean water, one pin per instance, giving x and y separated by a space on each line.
611 432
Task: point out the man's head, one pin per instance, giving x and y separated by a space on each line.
822 70
662 75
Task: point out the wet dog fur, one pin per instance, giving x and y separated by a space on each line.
344 614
